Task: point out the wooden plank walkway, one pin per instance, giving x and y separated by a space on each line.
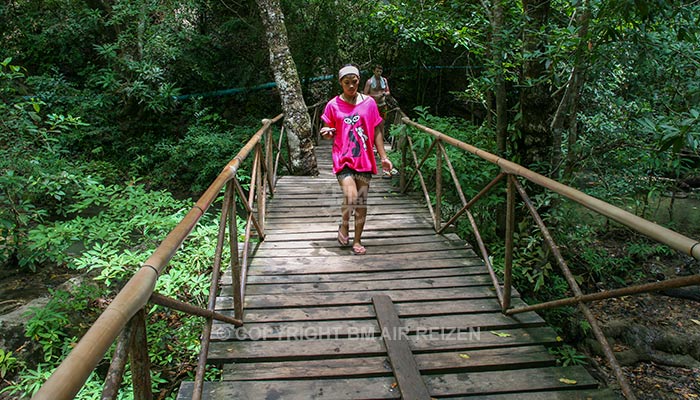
311 330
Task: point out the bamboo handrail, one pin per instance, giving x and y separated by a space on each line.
67 380
571 280
663 235
72 373
659 233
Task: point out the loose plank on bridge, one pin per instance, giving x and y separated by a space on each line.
404 366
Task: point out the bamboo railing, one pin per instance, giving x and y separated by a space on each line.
125 318
510 172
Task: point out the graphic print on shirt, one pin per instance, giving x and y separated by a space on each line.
352 120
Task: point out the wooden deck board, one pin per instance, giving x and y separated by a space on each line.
467 361
311 331
451 384
409 309
335 347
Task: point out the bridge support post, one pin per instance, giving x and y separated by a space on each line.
510 228
140 363
116 368
438 184
233 249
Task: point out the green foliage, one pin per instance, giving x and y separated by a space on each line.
61 211
46 327
54 326
198 158
173 339
8 363
567 355
436 24
675 131
638 107
645 249
105 220
29 381
473 172
35 175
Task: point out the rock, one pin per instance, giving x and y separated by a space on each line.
12 324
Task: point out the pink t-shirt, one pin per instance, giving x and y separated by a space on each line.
353 143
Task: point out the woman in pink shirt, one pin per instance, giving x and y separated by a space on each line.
350 120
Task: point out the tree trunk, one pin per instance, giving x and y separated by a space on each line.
534 144
297 121
566 112
499 96
500 86
571 155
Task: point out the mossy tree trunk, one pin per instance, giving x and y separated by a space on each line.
568 105
297 121
534 144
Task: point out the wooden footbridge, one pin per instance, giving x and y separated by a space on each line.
416 317
293 315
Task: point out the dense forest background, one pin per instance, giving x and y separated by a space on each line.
115 114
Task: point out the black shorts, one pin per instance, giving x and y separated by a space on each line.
358 176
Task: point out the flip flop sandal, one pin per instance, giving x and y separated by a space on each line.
343 240
390 174
359 250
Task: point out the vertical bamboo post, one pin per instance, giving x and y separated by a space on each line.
235 258
510 229
438 185
269 165
571 280
403 144
140 363
279 154
213 286
260 189
250 220
116 368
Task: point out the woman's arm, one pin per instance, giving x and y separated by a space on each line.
327 132
379 145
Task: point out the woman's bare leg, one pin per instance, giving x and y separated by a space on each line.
349 198
362 190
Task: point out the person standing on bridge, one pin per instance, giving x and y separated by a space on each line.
351 119
378 87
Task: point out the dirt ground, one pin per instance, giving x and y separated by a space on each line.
651 380
661 314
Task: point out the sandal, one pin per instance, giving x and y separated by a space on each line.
390 174
359 250
344 240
